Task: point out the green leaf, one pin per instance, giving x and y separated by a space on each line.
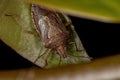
17 30
102 10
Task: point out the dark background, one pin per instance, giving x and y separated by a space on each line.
98 38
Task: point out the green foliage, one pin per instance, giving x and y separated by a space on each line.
17 31
102 10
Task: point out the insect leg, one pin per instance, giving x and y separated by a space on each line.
45 52
59 61
65 20
46 60
68 23
40 55
74 43
16 19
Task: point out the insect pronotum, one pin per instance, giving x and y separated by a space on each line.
51 29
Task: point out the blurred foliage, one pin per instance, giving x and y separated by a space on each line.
102 10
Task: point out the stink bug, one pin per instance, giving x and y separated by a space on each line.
51 29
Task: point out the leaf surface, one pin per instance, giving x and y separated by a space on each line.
17 30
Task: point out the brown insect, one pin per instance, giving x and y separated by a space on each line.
51 29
